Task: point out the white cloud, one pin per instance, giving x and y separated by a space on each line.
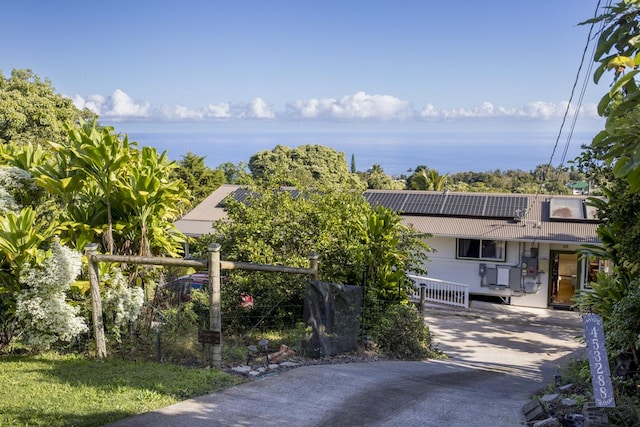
118 105
357 106
538 110
181 112
259 109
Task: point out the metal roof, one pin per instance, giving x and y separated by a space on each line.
534 225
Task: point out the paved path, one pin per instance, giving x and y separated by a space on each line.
520 341
495 366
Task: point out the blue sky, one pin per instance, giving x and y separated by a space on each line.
253 65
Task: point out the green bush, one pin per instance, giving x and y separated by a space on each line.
400 333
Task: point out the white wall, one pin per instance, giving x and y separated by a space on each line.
445 266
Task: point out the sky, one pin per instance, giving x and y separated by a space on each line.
257 66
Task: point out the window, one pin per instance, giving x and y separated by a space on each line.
481 249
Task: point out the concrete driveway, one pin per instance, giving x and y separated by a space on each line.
498 359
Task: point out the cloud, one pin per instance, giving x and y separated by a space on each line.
538 110
118 105
357 106
259 109
211 111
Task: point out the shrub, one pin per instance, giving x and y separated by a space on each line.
400 333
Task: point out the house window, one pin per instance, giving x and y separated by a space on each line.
481 249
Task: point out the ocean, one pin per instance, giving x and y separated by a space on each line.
396 152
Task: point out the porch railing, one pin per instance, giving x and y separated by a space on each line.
439 291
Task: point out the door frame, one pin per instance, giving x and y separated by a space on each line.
554 260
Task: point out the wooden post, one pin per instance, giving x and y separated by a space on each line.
423 292
313 263
215 317
96 303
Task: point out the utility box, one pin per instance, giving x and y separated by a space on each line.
515 278
529 266
491 276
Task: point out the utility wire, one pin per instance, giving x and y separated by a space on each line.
577 110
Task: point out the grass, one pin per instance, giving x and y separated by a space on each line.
55 390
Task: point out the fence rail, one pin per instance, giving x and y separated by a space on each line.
439 292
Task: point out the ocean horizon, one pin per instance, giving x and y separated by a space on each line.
395 152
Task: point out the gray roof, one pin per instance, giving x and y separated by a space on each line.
536 225
200 219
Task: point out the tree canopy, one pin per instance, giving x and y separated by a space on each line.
304 166
31 111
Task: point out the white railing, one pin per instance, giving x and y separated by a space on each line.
439 291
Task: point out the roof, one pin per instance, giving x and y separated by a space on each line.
534 225
581 185
199 220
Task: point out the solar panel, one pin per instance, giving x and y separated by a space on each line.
504 206
239 194
390 200
424 204
464 205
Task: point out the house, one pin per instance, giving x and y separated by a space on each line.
522 249
579 188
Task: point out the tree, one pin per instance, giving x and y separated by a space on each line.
30 110
235 174
304 166
377 179
198 178
424 178
353 164
283 227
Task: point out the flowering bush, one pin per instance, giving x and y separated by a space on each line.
13 181
121 302
41 304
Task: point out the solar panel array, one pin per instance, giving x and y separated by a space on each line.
449 204
443 204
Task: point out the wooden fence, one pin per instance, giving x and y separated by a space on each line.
212 264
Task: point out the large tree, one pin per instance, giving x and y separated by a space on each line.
304 166
31 111
200 179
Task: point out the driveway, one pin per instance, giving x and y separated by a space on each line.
497 360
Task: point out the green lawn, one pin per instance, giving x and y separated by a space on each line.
53 390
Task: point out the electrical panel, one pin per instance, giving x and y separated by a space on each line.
529 266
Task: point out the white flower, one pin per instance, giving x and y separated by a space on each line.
41 305
122 302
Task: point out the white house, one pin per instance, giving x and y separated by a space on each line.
522 249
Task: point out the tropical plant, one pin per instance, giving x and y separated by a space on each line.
100 156
424 178
390 250
617 50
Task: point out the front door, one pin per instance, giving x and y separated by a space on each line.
564 278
